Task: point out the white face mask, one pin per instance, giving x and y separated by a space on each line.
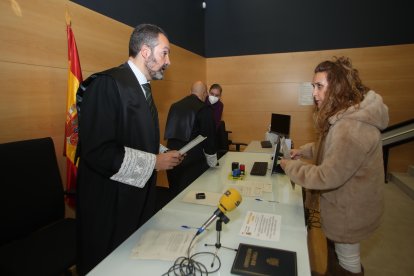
213 99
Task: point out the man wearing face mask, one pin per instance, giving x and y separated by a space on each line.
213 100
187 119
119 148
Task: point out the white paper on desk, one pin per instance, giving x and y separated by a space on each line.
258 186
212 199
162 245
262 226
192 144
266 186
247 191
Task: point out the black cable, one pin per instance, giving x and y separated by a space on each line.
186 265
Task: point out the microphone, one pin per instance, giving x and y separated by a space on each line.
228 201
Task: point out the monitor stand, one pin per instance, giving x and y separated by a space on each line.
278 169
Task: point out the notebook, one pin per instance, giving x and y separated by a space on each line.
259 168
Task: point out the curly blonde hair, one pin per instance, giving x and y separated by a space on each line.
345 89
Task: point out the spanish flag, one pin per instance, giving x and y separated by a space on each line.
71 126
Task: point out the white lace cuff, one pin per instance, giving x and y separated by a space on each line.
211 159
137 167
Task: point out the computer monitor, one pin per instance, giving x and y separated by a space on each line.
280 124
276 154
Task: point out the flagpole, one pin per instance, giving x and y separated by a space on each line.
67 18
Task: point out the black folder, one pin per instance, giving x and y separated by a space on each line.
264 261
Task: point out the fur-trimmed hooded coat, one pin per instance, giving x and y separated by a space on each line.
349 171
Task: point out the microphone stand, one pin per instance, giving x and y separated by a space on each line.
218 245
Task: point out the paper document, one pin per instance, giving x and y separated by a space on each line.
305 94
261 226
265 186
211 199
192 144
249 191
251 188
162 245
285 146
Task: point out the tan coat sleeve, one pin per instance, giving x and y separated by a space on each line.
307 150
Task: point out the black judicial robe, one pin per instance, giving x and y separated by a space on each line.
115 114
187 119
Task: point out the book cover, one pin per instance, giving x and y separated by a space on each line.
264 261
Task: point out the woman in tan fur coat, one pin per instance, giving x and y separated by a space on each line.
348 165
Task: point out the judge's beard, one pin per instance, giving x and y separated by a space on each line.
155 75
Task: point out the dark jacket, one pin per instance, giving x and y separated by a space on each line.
115 116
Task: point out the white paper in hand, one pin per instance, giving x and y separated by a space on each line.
192 144
285 145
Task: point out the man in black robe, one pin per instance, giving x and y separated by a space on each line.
187 119
119 149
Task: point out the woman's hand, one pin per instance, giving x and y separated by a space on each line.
283 163
295 154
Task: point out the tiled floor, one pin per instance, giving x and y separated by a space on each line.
390 251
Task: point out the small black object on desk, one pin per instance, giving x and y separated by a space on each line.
266 144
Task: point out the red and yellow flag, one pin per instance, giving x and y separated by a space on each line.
71 127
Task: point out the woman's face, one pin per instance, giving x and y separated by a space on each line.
320 85
215 92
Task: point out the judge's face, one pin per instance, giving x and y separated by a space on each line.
159 59
320 85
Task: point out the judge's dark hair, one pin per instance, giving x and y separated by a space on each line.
345 89
144 34
216 86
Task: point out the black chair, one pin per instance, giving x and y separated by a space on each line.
224 144
36 238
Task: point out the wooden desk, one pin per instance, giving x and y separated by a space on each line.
293 234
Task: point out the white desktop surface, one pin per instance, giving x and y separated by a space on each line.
255 146
289 206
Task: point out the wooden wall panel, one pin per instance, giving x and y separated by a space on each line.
31 101
30 32
256 86
248 110
400 156
32 104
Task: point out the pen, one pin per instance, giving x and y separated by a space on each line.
190 227
273 201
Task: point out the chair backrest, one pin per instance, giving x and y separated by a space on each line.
222 137
222 141
32 191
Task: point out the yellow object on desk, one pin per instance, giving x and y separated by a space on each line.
231 177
